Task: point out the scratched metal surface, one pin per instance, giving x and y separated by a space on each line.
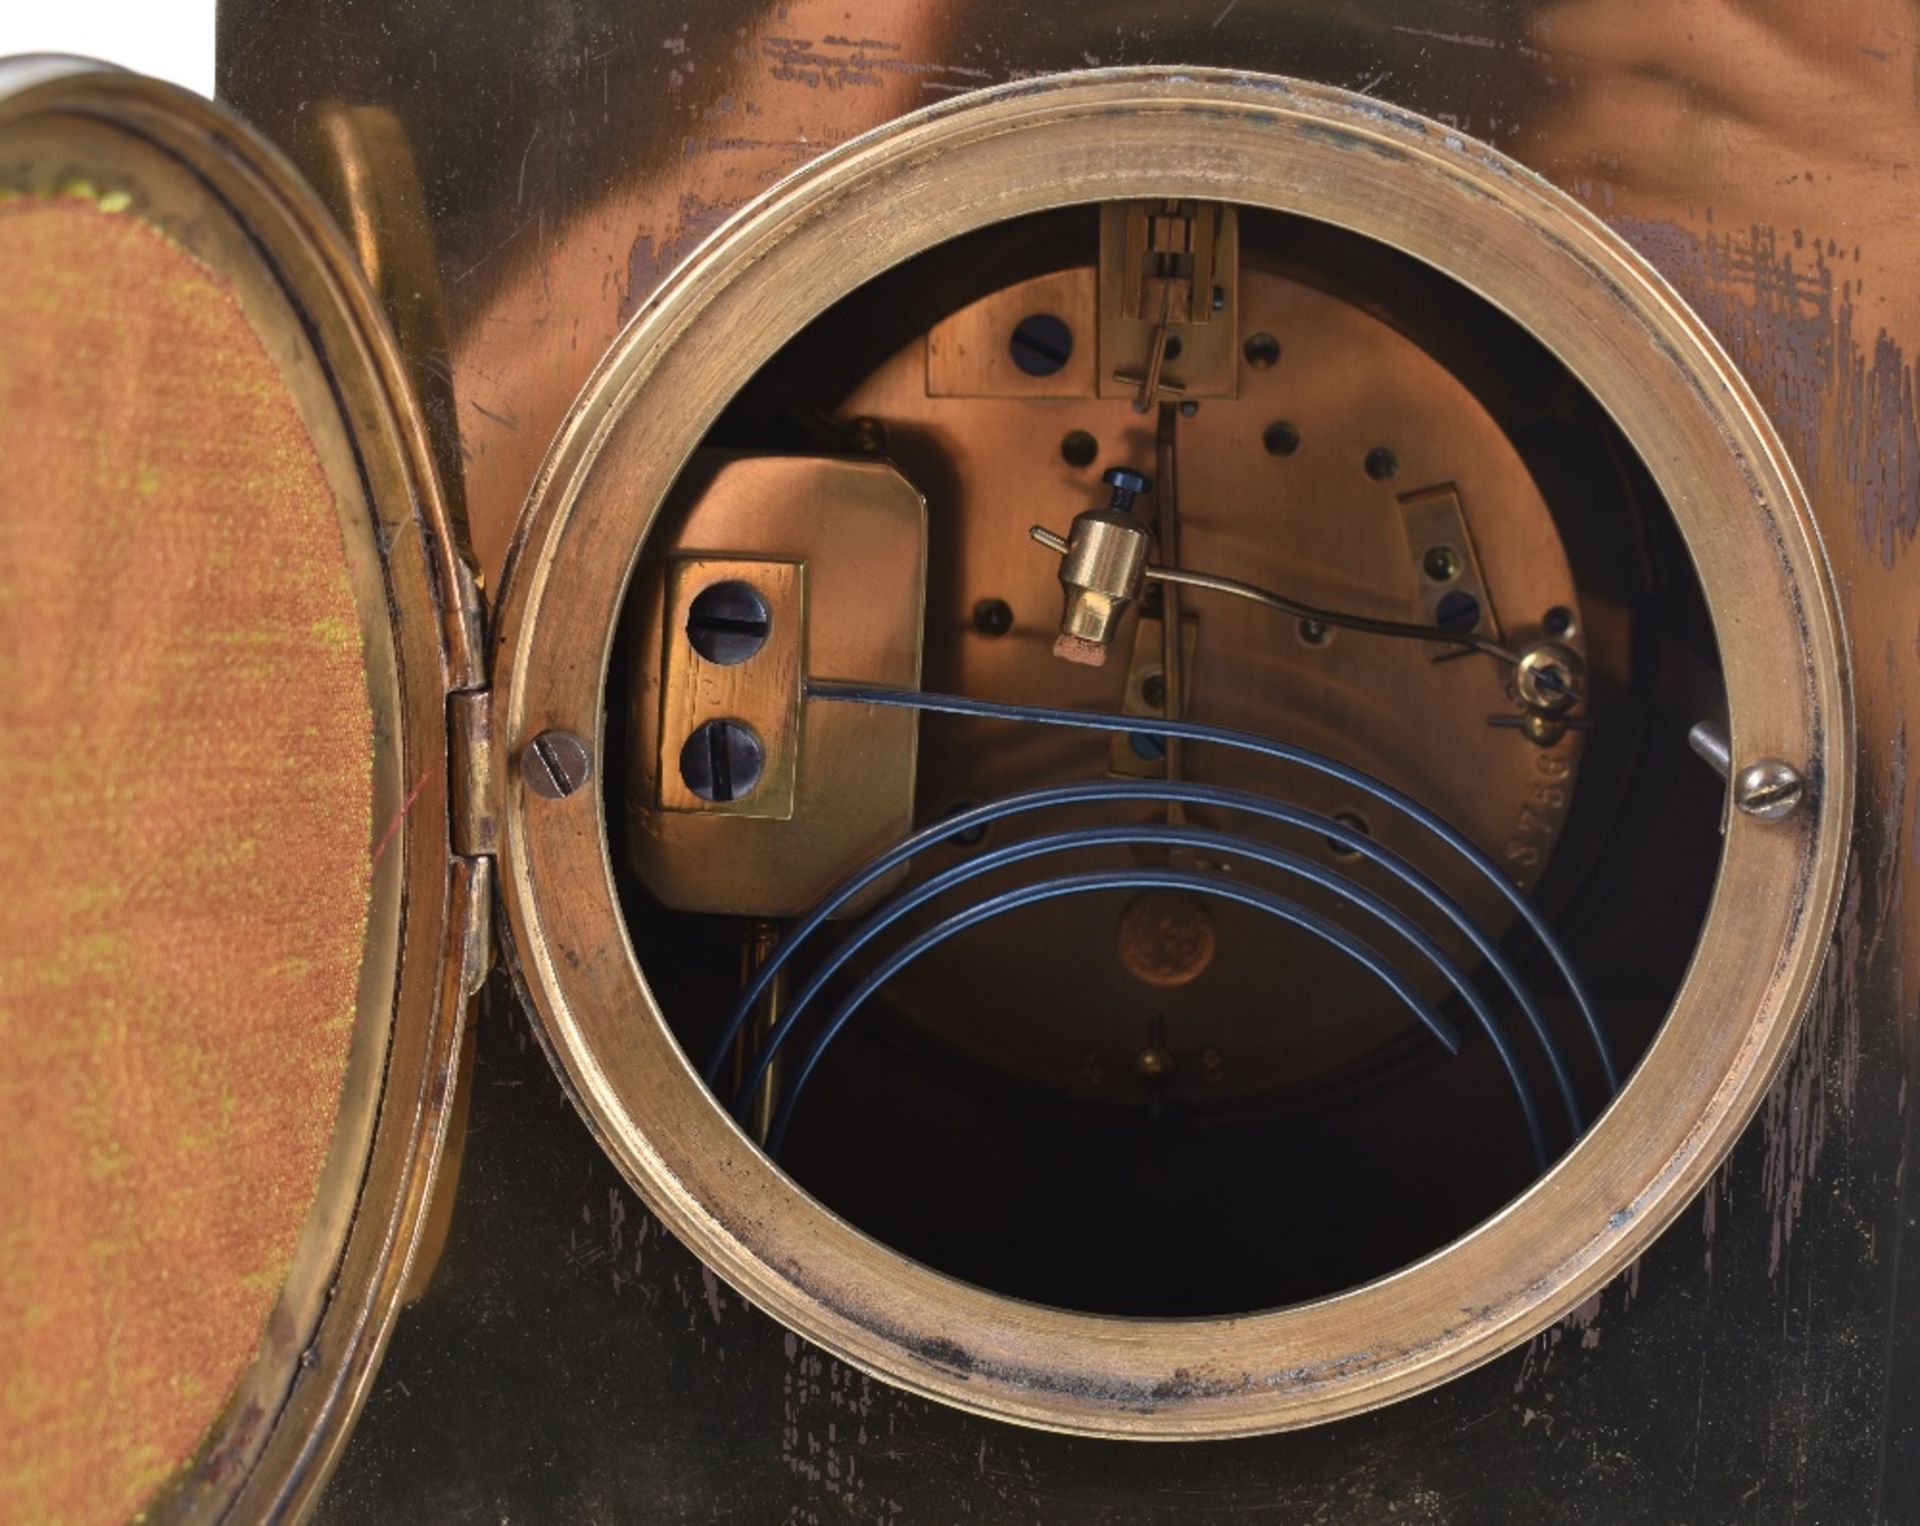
1763 1362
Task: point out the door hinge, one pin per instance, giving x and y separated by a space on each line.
474 828
476 822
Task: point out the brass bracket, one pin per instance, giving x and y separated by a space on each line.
969 353
832 553
1169 300
1445 559
1144 677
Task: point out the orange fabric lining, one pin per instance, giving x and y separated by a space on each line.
185 803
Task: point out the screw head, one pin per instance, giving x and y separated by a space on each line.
1457 610
966 837
1441 564
993 617
1261 351
1542 730
1127 485
1041 344
1154 1063
1769 789
722 761
728 622
1281 438
1354 822
555 764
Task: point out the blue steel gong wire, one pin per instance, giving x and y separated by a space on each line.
1155 792
1147 792
1081 884
1246 741
1163 790
1135 835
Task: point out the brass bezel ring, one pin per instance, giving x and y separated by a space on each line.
1487 223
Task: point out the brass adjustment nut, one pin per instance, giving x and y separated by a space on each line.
1549 678
1105 560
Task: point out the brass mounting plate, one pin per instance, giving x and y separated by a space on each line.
837 548
1436 524
1123 759
969 352
1310 517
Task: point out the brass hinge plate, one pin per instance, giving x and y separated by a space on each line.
470 773
474 830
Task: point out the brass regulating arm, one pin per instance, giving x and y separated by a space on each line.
1104 560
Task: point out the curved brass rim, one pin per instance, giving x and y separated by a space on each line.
286 1423
1496 229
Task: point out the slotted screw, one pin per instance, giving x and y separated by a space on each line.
555 764
728 622
722 761
1769 790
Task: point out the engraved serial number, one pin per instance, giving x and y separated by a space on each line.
1539 819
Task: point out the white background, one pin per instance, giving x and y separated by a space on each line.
172 39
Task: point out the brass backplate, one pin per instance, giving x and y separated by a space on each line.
1274 486
838 550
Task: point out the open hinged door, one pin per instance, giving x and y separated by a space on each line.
235 958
